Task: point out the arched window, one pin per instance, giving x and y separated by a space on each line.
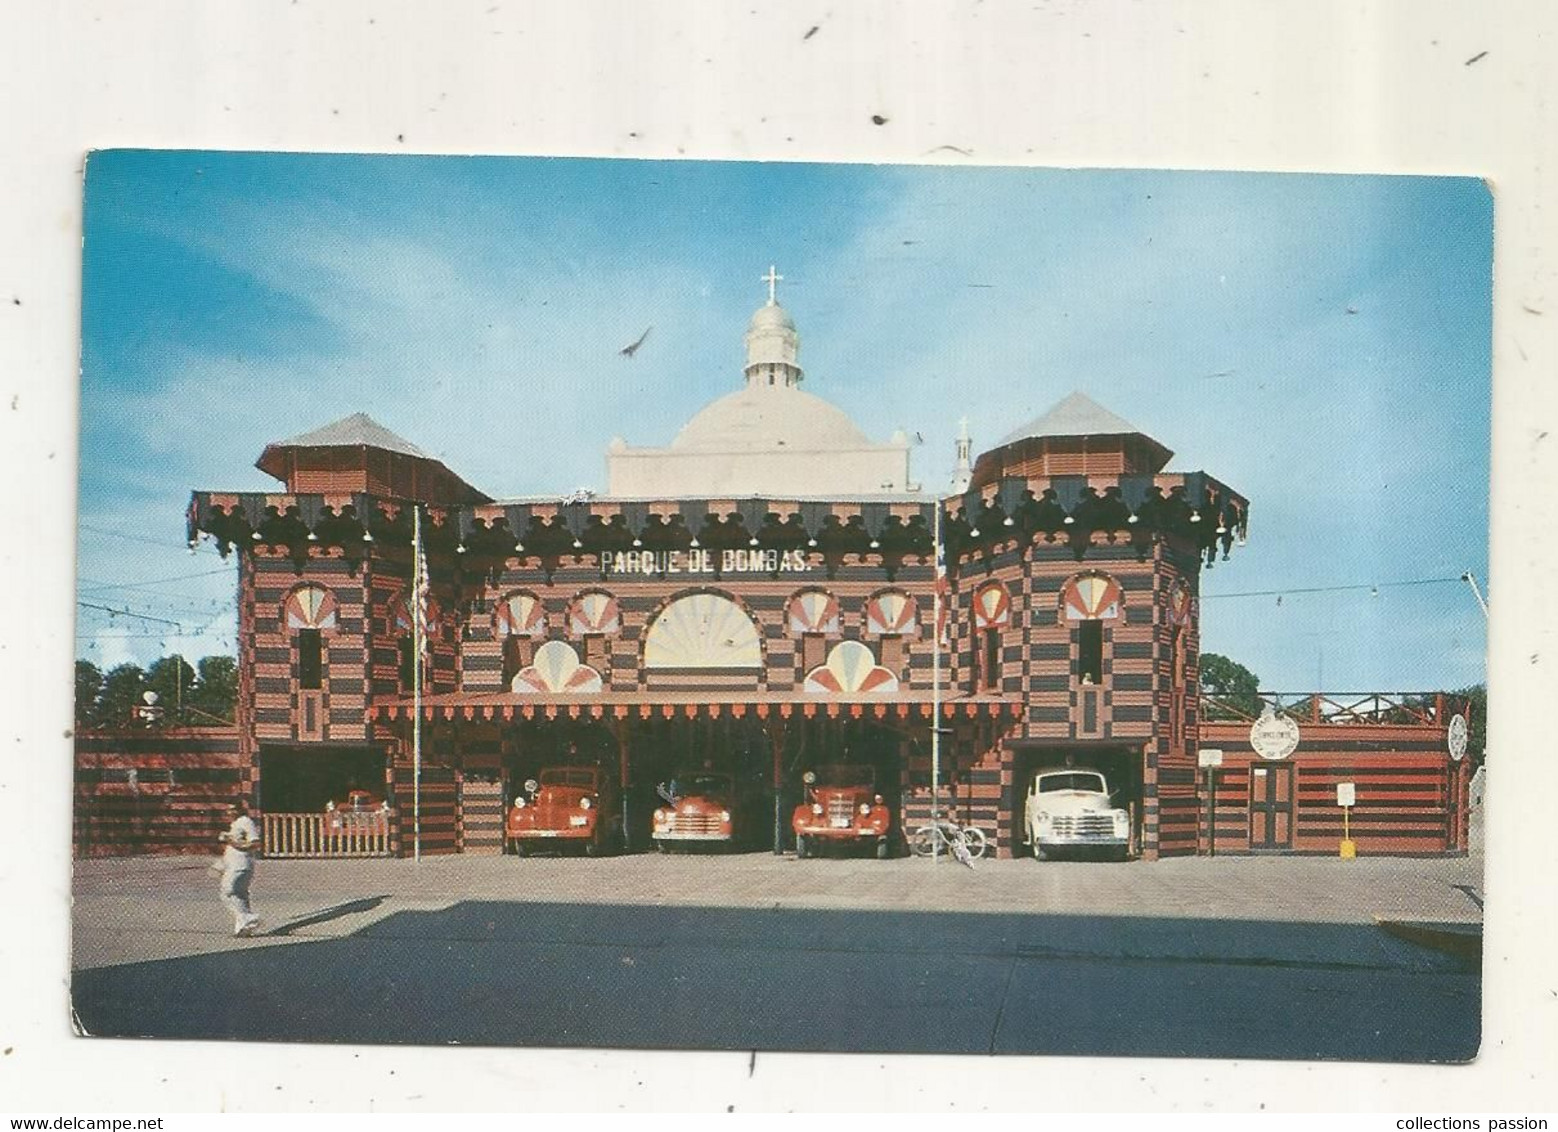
892 618
518 621
1180 604
405 639
1087 601
992 615
594 618
308 614
703 630
813 616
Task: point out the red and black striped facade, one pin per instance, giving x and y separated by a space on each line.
1070 634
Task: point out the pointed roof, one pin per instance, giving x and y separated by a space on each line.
356 431
1076 415
341 446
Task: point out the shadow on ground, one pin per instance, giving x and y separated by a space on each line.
325 915
537 974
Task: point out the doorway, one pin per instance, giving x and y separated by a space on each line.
1271 806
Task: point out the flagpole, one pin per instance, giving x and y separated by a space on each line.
935 686
416 683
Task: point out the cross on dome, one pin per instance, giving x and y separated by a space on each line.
771 279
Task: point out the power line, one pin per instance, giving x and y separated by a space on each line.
173 606
141 538
1370 586
127 613
94 584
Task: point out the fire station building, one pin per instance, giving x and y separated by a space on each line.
759 595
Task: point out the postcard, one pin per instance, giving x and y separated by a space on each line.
775 606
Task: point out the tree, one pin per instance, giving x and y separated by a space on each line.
173 680
89 686
121 695
1229 682
216 690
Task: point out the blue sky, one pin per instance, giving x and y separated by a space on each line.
1320 343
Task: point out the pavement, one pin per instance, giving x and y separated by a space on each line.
1236 957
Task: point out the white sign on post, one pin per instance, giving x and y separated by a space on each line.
1346 794
1209 756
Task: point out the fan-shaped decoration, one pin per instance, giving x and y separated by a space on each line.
1090 597
850 670
519 615
556 669
703 631
814 611
992 606
1179 602
891 613
403 616
309 607
594 612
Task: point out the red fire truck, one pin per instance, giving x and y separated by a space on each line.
700 809
842 808
567 806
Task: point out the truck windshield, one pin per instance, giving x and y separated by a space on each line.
1091 783
704 785
568 776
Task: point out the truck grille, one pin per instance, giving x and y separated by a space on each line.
841 813
1084 825
696 825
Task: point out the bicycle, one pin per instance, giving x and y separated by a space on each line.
966 843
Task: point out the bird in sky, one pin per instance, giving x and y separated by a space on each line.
632 347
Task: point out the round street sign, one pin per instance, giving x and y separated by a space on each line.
1274 736
1457 737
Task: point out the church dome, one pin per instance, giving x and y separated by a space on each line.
761 418
771 317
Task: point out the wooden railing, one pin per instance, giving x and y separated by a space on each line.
1380 708
326 835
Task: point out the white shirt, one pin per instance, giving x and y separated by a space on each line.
243 829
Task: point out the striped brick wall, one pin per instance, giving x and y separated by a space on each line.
440 806
336 712
1411 797
481 816
163 792
764 598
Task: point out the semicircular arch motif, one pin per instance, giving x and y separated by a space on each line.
519 614
992 606
891 612
813 611
594 612
556 669
309 607
703 631
403 623
1091 597
850 670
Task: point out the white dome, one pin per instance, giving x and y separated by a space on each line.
760 418
772 316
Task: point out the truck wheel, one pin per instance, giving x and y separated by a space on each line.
800 847
594 848
882 849
1038 852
